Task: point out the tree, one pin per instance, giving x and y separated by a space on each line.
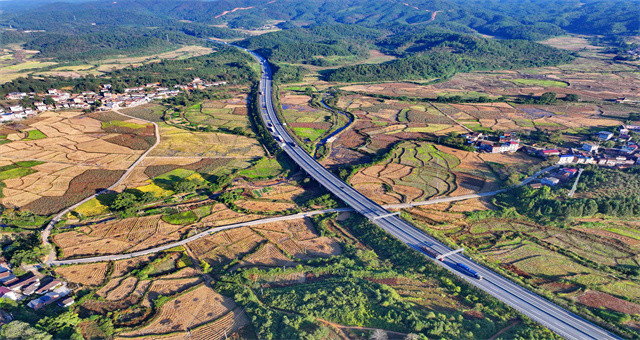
185 186
547 98
49 101
572 97
147 197
378 334
124 201
63 325
19 330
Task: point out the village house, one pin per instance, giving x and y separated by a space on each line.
17 286
566 159
9 294
548 153
31 288
66 302
550 181
15 95
605 135
44 300
590 147
629 149
473 136
49 286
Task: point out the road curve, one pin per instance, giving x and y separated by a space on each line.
47 230
557 319
193 238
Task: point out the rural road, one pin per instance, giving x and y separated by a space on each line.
193 238
47 230
559 320
213 230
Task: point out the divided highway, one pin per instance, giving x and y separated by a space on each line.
557 319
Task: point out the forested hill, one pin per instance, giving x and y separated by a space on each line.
442 55
514 19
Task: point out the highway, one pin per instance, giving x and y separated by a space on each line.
557 319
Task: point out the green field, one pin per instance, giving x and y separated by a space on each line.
309 133
17 170
120 123
538 82
214 114
35 135
93 207
184 217
265 167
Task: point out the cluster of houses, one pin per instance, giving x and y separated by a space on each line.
588 153
48 289
559 176
105 100
508 142
593 153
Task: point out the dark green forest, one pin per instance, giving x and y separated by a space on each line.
428 55
96 29
608 192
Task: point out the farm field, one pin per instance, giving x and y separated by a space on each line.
99 67
418 171
380 123
307 122
228 114
584 263
269 245
596 80
70 156
177 142
203 305
118 236
156 173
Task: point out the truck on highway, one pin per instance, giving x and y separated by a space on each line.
278 138
430 252
469 271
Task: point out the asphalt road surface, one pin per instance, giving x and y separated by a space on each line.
546 313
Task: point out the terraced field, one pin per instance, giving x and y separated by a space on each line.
418 171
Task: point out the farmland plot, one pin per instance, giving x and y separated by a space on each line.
192 309
177 142
84 274
73 145
119 236
417 171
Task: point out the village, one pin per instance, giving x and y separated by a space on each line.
106 99
604 149
43 290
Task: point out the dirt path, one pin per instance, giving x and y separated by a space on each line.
231 11
341 327
47 231
513 324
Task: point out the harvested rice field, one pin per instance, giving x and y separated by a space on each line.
418 171
73 146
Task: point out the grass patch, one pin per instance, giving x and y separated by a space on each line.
15 173
120 123
537 82
185 217
265 167
174 176
156 190
35 134
427 129
92 207
309 133
625 232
